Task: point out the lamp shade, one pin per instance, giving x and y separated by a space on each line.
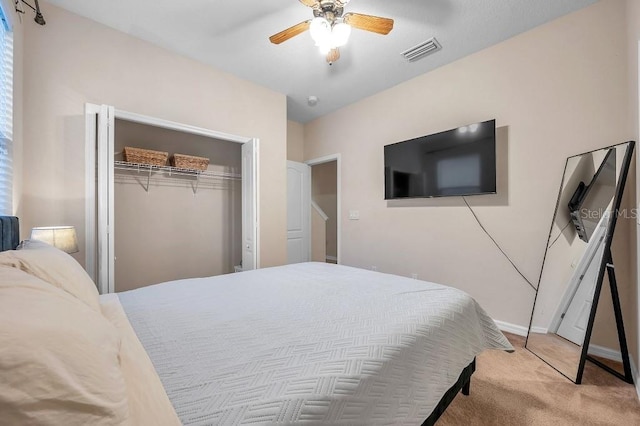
61 237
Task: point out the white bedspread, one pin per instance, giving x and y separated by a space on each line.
307 344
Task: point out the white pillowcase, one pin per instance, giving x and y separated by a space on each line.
55 267
59 359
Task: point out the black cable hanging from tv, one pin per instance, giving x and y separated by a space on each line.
39 19
498 245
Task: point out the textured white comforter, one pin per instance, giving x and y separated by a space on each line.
307 344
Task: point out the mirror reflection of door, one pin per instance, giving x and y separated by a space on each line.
572 316
576 249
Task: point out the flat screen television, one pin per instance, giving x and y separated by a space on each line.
457 162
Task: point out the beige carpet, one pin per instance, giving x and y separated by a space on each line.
519 389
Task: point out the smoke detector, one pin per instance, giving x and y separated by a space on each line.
312 101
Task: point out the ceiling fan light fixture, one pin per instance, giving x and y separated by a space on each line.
320 30
331 28
340 34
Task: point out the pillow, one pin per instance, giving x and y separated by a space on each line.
149 404
8 259
55 267
59 359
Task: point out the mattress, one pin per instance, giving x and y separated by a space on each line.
308 343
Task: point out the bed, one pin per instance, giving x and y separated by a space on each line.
299 344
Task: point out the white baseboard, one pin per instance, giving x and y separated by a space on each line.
604 352
539 330
519 330
512 328
332 258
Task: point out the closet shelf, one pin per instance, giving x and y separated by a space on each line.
175 171
170 171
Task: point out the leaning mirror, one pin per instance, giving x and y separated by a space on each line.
577 258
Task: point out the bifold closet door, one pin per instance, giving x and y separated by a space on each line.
249 205
105 190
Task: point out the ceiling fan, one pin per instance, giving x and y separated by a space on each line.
330 28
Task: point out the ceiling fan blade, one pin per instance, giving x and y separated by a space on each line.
290 32
310 3
375 24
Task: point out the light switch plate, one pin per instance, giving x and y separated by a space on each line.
354 215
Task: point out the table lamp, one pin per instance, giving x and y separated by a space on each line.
61 237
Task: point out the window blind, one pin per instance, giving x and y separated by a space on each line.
6 117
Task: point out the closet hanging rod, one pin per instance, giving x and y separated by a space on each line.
175 171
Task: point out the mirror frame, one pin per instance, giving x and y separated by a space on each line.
606 260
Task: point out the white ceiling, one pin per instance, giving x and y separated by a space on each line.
232 35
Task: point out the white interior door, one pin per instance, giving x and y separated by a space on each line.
105 148
298 212
249 205
575 318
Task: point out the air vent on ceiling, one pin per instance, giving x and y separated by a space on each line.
423 49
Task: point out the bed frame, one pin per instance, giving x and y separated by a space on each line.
463 384
10 238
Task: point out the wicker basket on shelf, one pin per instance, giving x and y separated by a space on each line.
189 162
145 156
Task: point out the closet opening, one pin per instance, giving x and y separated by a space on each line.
175 224
151 224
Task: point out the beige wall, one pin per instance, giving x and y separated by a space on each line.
176 229
555 91
632 315
73 60
324 184
318 236
622 250
295 141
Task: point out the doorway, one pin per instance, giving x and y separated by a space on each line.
326 207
